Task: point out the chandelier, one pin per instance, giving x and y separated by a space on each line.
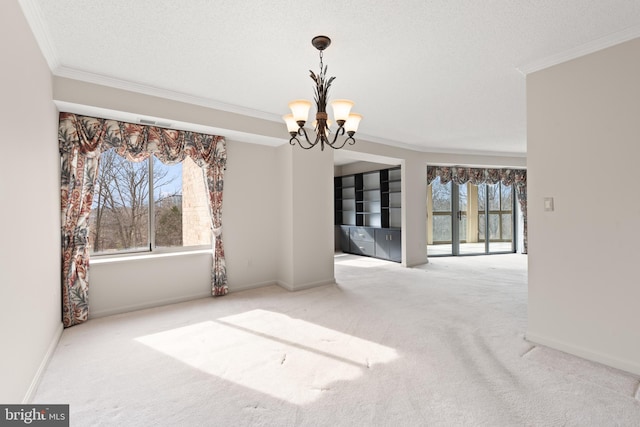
347 122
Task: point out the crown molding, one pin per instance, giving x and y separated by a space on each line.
437 150
41 33
578 51
144 89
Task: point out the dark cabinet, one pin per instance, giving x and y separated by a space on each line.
368 213
382 243
344 232
389 244
362 241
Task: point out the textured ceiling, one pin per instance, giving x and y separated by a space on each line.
442 75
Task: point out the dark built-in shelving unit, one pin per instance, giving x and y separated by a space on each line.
368 213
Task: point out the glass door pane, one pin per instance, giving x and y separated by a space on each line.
470 239
501 218
439 227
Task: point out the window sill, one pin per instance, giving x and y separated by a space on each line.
106 259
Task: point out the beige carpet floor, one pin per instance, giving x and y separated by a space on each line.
439 345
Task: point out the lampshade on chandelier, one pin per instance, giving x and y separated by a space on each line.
347 122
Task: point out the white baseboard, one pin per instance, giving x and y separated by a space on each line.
152 304
240 288
304 286
631 366
33 387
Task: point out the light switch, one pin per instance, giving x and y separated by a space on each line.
548 204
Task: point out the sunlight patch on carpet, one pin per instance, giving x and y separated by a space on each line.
269 352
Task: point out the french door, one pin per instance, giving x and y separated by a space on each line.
470 220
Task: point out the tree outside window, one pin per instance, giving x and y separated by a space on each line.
128 194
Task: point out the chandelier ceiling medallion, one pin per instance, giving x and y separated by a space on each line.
347 122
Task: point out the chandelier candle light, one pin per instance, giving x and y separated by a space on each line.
346 121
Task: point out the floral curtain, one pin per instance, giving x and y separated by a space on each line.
520 183
81 141
476 176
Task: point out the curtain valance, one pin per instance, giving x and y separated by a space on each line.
476 176
136 142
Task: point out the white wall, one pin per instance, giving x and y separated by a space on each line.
118 285
306 255
30 315
414 212
250 215
583 150
286 200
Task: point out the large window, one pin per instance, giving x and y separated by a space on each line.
459 216
148 206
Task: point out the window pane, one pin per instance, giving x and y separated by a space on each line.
482 197
507 226
167 195
181 205
462 197
481 225
119 219
441 196
120 208
441 228
507 194
494 226
493 193
462 228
